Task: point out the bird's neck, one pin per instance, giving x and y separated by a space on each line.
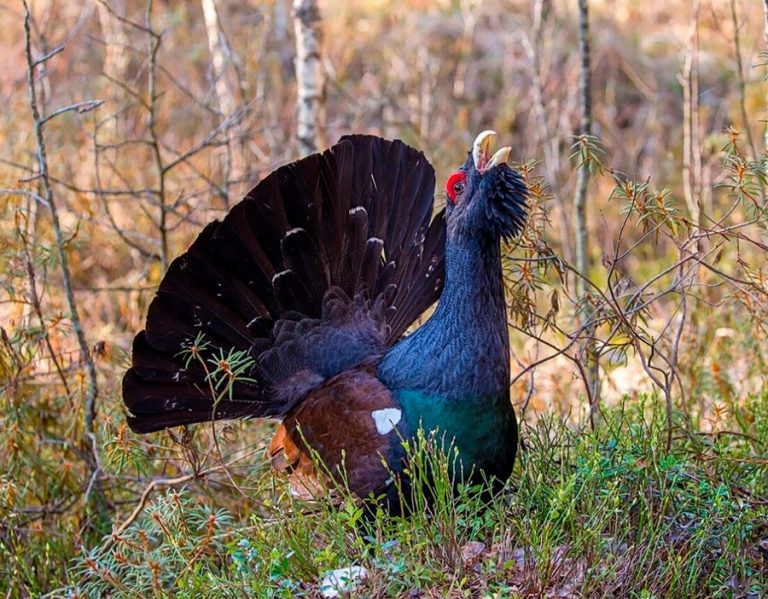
472 301
462 351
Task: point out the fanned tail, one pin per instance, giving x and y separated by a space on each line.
326 261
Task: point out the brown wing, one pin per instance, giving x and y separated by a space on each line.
353 425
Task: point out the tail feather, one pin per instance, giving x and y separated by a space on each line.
371 265
174 396
356 238
301 255
293 294
284 281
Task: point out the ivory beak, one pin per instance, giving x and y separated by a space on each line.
481 149
500 157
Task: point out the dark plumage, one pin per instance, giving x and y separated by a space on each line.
314 278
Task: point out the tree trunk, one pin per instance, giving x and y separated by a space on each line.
544 138
115 40
309 75
580 209
765 38
218 50
579 202
233 168
691 146
116 59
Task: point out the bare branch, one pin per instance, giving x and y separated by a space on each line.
48 196
48 55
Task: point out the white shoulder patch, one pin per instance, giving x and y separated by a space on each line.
386 419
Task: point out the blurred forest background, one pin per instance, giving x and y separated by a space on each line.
640 280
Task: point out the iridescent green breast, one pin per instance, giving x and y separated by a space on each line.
483 429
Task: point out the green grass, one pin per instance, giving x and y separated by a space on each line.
592 513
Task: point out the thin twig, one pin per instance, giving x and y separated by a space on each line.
79 107
153 47
92 388
36 303
740 79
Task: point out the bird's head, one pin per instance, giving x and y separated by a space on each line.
486 198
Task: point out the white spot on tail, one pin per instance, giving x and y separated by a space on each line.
386 419
282 273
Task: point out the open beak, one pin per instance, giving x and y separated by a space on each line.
481 152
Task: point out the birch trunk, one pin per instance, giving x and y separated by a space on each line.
309 75
115 40
580 209
233 168
765 38
218 51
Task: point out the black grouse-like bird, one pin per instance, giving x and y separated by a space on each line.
296 305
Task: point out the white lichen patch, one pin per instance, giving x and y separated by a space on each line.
340 581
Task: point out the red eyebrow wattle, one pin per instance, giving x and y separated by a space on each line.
452 180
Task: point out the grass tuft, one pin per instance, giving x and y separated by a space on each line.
607 512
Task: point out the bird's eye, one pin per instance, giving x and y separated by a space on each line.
455 186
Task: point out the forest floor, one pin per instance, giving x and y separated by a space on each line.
609 512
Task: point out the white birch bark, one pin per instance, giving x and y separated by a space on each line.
234 166
218 51
309 75
115 40
765 38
